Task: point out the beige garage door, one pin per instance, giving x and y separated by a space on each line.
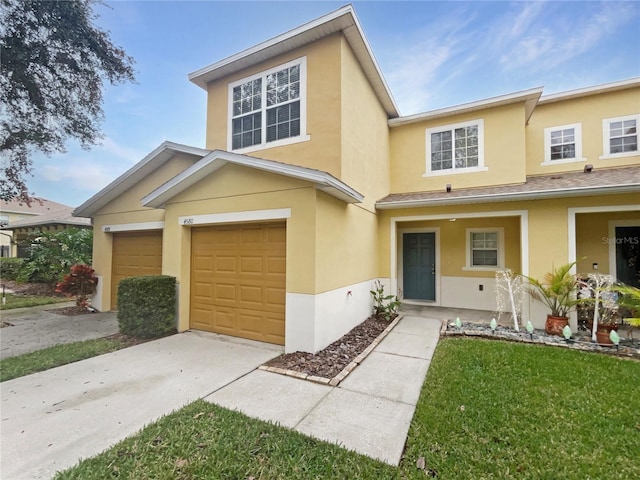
134 254
238 280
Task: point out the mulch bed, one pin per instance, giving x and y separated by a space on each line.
31 289
129 341
330 361
71 311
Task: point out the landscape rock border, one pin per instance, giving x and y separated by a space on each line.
335 381
538 337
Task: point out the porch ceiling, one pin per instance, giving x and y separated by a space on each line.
598 182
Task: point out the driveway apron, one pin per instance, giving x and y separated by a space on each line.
52 419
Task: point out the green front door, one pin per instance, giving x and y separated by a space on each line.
419 266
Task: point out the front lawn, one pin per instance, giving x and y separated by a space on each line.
22 301
58 355
488 409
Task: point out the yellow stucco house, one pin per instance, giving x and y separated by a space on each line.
312 186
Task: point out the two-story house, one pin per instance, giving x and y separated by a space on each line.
312 186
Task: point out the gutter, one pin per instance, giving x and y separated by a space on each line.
512 197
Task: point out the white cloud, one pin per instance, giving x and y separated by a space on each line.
111 147
419 72
546 42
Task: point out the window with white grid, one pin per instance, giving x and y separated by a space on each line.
620 136
563 144
455 148
268 109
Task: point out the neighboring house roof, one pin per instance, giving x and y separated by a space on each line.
219 158
344 19
529 97
140 170
594 90
59 217
605 181
38 206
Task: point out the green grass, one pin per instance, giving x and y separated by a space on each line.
51 357
529 412
19 301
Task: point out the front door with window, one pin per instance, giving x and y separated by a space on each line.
419 266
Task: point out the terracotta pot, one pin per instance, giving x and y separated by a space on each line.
554 325
602 334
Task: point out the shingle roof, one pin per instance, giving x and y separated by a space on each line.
599 181
37 207
61 216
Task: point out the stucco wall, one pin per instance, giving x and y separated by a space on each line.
504 152
322 151
589 111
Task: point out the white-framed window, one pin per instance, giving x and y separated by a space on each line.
563 144
269 108
620 136
457 148
485 248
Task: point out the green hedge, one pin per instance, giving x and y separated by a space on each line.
10 267
147 306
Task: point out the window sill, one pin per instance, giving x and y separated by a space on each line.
548 163
457 171
481 269
277 143
619 155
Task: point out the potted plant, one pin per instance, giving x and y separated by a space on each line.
556 291
629 300
597 293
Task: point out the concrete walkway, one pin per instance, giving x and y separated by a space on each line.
36 328
52 419
369 412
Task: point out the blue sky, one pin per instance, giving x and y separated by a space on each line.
432 54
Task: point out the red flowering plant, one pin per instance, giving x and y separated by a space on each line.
80 282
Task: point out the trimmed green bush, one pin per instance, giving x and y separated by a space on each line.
147 306
10 267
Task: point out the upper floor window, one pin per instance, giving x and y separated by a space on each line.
455 148
563 144
269 108
620 136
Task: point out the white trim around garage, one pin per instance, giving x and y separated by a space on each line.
133 227
235 217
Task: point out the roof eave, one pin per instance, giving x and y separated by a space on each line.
160 155
218 158
529 97
511 197
344 19
593 90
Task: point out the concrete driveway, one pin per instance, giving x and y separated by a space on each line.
52 419
36 328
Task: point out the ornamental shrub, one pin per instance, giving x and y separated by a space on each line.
147 306
10 268
51 254
80 282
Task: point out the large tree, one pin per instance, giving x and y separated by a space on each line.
53 66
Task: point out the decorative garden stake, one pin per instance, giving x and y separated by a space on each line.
530 329
458 323
566 331
509 293
615 338
493 325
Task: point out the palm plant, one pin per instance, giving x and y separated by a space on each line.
556 290
630 298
